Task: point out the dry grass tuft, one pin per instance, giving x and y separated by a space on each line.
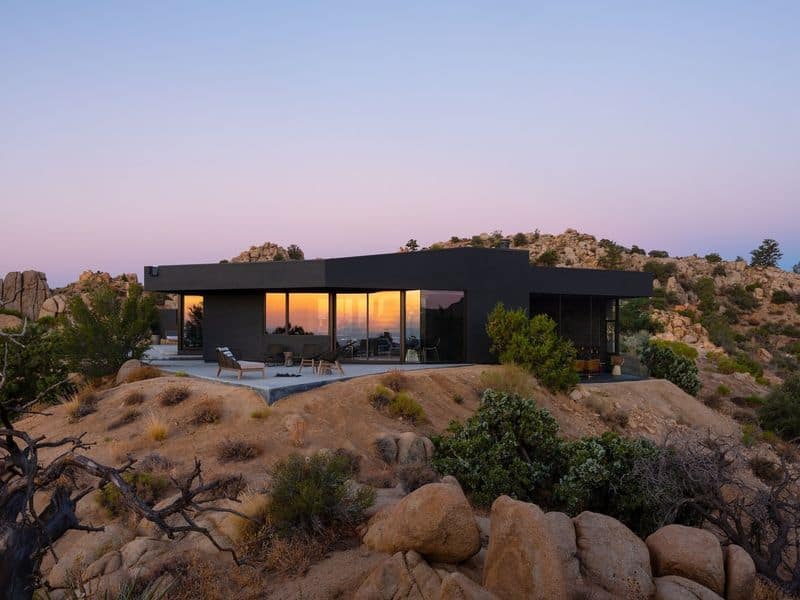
133 399
256 507
236 451
208 412
380 396
404 406
173 394
261 413
127 418
395 380
154 462
511 379
297 433
142 373
157 427
82 403
765 469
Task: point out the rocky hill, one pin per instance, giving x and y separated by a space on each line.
712 304
267 252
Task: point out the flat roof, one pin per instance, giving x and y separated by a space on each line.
454 268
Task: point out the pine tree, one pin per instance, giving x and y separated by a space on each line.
766 255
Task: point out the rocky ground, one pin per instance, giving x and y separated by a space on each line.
340 416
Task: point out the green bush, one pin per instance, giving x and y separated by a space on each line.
719 271
781 409
738 363
147 486
509 446
660 270
35 366
404 405
741 298
612 259
713 257
533 344
634 316
723 390
664 363
510 379
380 396
519 239
477 241
678 347
636 250
548 258
310 494
781 297
719 331
658 254
105 332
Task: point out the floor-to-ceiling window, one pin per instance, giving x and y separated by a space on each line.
275 316
435 321
384 326
308 313
351 324
192 324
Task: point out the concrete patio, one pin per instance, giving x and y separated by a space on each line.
272 387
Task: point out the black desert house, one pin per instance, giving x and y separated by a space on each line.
428 306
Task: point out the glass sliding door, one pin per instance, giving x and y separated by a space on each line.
434 326
413 326
351 324
383 314
192 324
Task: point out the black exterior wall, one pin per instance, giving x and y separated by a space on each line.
234 292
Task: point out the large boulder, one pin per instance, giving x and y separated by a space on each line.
435 520
125 371
9 322
413 448
740 574
688 552
25 292
53 306
673 587
612 556
563 532
457 586
403 576
523 559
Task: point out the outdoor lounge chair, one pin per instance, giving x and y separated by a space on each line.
309 357
275 355
329 361
227 362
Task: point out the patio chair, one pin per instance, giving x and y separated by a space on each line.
274 355
428 350
329 361
226 361
309 357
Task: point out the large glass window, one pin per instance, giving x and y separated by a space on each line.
308 313
192 330
275 317
351 324
435 326
384 325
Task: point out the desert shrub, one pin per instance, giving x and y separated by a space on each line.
723 390
173 394
133 398
705 290
309 494
34 366
261 413
519 239
765 469
236 450
147 486
744 417
719 271
477 241
294 252
660 270
781 409
104 332
403 405
533 344
598 475
128 417
636 250
82 403
454 239
781 297
741 298
395 380
658 254
155 462
207 412
749 435
678 348
665 363
509 446
180 374
612 259
380 396
615 418
142 373
548 258
719 331
713 257
458 398
509 379
714 402
634 316
157 427
739 363
415 475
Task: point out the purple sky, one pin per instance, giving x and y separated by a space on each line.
187 132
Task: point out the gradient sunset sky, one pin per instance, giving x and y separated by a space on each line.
170 132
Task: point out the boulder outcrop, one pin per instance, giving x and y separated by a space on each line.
740 574
523 559
673 587
435 520
24 292
688 552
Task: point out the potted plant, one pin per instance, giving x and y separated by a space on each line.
155 332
